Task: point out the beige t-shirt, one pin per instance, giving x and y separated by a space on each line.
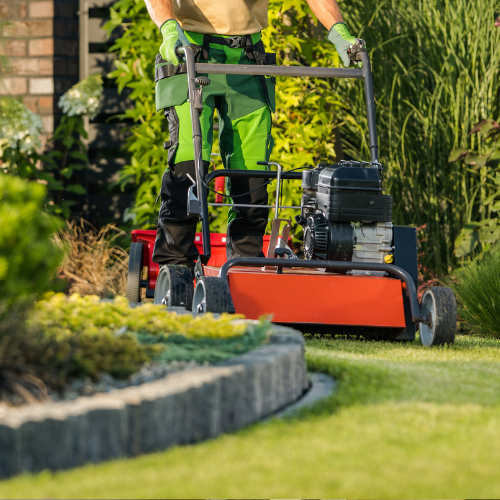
222 17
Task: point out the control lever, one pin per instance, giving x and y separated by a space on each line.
193 204
353 52
202 81
282 251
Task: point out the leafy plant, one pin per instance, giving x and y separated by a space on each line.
307 109
487 160
435 69
66 151
477 285
28 259
83 336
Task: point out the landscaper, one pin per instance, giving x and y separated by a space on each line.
227 32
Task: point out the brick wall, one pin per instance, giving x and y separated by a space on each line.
42 45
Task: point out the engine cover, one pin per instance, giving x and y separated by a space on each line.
349 192
325 240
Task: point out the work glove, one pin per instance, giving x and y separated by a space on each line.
173 37
339 35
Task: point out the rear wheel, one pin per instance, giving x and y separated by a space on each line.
174 287
134 273
440 304
211 295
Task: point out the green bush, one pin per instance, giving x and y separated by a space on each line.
65 152
84 336
477 285
28 256
81 337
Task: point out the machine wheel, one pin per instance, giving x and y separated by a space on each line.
134 273
440 303
174 287
211 295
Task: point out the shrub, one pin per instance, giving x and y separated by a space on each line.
94 265
65 152
477 285
28 258
83 336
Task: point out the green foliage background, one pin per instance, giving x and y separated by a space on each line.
435 67
303 135
436 74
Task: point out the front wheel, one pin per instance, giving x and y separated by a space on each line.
440 304
134 273
174 287
211 295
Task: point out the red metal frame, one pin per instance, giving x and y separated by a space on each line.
364 301
337 299
217 240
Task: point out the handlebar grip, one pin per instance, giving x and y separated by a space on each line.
265 163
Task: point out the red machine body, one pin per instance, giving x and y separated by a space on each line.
217 259
364 301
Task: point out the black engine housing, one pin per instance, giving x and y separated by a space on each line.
326 240
349 192
333 198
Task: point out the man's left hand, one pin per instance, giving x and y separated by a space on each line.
339 35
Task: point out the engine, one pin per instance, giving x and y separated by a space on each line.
345 214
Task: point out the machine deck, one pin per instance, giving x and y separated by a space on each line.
316 297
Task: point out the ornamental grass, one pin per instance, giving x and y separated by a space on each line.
94 263
477 286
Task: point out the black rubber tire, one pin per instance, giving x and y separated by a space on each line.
134 272
440 303
174 287
211 295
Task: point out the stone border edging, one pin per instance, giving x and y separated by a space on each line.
182 408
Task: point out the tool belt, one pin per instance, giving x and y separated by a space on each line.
253 51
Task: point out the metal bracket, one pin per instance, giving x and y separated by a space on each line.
278 241
193 203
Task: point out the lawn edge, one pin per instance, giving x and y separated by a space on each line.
182 408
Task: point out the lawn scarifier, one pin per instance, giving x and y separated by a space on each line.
360 271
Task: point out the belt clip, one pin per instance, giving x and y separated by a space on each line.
235 42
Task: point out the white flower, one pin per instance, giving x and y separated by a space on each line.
84 98
19 127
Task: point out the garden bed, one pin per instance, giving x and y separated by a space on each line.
181 408
78 346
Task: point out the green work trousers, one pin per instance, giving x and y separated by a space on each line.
244 105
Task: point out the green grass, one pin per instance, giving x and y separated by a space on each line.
405 422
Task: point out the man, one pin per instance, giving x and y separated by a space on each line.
225 32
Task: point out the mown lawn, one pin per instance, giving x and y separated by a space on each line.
406 422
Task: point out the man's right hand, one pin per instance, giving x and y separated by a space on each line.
173 37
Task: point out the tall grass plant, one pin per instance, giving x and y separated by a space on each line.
436 74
